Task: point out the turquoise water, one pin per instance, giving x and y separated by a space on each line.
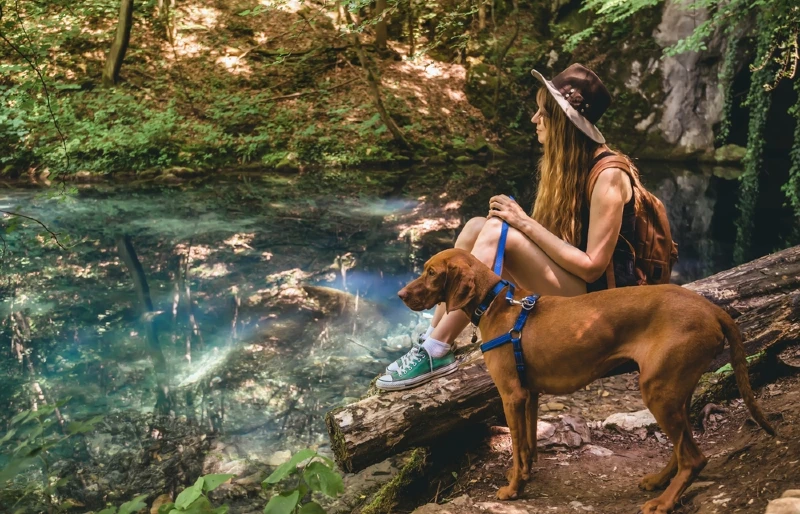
270 306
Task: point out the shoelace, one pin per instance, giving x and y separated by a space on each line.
410 359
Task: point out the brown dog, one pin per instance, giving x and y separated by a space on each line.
672 333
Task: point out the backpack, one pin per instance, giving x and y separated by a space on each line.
653 249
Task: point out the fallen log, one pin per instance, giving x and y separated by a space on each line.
763 296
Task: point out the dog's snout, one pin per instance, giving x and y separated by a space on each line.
402 293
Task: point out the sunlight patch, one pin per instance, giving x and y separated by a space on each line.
234 64
218 269
240 242
423 226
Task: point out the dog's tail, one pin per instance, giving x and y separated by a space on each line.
739 364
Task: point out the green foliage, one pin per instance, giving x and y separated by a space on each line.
193 499
792 186
315 475
758 102
725 82
25 451
135 505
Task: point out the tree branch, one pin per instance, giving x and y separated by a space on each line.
53 235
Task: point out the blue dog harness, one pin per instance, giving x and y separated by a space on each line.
514 335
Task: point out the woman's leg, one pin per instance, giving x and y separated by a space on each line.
528 266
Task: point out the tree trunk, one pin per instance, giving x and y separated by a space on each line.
381 34
411 26
481 14
374 87
128 255
763 296
120 45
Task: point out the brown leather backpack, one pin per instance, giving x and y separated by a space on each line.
653 249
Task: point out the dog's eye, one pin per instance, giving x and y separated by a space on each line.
431 272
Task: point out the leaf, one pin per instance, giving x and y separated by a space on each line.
200 506
19 417
8 435
220 510
284 503
135 505
289 467
110 510
166 508
321 478
312 508
189 495
81 427
211 482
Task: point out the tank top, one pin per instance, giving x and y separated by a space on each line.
623 258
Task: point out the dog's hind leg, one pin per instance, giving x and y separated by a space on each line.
673 419
661 479
514 405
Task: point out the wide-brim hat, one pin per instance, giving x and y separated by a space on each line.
581 95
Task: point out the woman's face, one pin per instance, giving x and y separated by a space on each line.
540 119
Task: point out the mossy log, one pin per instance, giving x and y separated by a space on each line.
763 296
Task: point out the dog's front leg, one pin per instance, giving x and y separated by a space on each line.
531 424
514 406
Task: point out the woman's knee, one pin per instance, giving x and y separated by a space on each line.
469 234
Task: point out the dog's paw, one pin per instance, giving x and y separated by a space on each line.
506 493
655 507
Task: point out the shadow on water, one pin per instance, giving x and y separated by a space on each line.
269 305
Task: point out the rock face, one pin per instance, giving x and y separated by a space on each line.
694 100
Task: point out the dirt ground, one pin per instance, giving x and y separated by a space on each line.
746 467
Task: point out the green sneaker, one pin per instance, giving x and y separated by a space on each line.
417 367
405 359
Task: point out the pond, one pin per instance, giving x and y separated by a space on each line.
273 296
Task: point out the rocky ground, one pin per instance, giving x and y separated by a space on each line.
587 467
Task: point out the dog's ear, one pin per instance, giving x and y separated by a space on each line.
461 286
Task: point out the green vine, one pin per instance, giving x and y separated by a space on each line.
726 85
758 102
792 187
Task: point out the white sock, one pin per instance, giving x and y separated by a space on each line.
435 348
427 333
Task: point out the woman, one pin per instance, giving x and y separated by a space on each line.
566 245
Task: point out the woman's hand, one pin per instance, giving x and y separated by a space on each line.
505 208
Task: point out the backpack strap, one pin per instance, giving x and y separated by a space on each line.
607 160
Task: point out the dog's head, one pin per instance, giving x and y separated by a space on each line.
447 277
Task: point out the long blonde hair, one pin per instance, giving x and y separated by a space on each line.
563 171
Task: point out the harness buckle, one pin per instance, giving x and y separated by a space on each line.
528 303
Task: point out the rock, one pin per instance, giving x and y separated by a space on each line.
278 458
597 451
783 506
288 163
698 485
729 154
555 406
631 421
158 502
544 430
576 505
694 101
497 508
791 493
